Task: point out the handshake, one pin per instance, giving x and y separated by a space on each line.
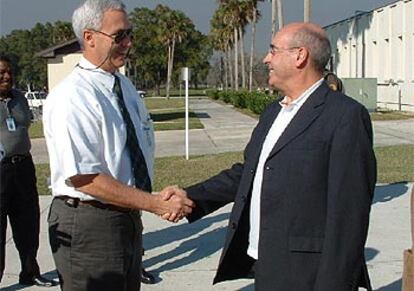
173 204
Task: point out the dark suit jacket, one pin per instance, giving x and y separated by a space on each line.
318 184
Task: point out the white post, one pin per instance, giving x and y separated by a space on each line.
186 118
186 77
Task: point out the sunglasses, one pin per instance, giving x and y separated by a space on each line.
118 36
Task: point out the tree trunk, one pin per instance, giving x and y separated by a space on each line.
158 85
280 13
277 9
136 74
167 87
306 10
226 72
236 58
243 66
171 64
273 18
230 66
252 48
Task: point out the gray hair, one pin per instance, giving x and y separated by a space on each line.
90 14
318 44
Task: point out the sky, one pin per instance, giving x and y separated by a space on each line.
24 14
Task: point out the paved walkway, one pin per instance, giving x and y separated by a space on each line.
185 256
224 130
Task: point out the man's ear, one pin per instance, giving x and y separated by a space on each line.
88 38
302 57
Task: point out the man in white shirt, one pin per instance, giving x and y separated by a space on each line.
302 195
101 146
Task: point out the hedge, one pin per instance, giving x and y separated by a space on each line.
254 101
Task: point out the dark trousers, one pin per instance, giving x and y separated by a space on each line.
19 201
95 249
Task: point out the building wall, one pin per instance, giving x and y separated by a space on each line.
61 66
378 44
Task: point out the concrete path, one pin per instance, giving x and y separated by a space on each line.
225 130
394 132
185 257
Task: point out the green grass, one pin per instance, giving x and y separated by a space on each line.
179 171
390 115
163 103
168 114
395 164
42 175
176 92
36 129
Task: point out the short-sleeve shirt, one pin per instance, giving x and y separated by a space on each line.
16 142
85 132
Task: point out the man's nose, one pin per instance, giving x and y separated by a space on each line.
266 59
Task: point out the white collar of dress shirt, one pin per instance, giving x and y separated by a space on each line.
302 98
105 77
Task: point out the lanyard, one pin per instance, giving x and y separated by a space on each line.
6 102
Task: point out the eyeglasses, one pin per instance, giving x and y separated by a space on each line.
274 49
118 36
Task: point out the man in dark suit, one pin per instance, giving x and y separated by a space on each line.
302 195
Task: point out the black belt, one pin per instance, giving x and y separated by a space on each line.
75 202
15 159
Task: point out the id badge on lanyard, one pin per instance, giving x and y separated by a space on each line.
11 124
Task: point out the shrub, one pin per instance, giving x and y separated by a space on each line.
254 101
214 94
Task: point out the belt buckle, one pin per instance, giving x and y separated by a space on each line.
72 202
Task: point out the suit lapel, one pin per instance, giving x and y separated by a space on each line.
265 126
303 118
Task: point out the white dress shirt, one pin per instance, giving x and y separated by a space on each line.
286 114
85 132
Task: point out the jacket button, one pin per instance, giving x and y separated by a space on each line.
233 225
251 171
268 168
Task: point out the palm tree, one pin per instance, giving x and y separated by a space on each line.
306 10
173 28
277 9
221 37
280 13
235 18
252 16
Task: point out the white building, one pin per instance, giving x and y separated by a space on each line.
378 44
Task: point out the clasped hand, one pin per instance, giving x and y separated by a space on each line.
176 204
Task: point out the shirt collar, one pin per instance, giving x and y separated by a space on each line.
107 79
302 98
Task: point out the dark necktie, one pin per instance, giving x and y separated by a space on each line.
139 166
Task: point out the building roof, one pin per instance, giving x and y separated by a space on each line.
67 47
359 13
